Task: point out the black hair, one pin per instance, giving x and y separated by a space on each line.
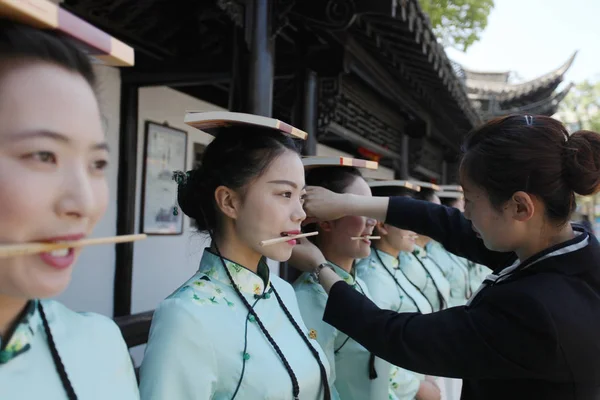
235 158
21 44
336 179
392 191
534 154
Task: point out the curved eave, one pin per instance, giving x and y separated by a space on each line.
409 46
548 106
486 76
512 92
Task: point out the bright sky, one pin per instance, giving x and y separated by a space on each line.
533 37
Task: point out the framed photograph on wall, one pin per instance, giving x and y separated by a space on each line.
165 151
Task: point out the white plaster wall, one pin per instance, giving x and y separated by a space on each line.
91 288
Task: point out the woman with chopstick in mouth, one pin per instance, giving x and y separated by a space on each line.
234 330
384 273
52 189
358 375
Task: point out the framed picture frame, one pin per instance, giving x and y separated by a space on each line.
165 151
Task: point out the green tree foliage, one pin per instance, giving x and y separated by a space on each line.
581 107
458 23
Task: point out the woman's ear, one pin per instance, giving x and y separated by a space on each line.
382 229
326 226
522 206
228 201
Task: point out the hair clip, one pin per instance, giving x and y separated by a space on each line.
180 177
529 120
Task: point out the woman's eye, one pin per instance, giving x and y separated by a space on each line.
44 156
287 194
100 164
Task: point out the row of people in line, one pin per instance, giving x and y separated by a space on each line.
211 337
235 330
58 152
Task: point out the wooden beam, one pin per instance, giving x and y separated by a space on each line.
128 134
175 78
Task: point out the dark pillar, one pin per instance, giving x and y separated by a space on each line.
238 87
404 169
309 111
444 172
128 134
260 82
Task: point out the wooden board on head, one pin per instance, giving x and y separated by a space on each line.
318 162
448 194
452 188
43 14
427 185
213 121
376 183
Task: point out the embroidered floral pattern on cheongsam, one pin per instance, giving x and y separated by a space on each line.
19 341
246 280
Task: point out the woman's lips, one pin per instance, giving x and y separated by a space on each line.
59 259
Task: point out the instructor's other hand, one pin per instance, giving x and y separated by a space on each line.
306 256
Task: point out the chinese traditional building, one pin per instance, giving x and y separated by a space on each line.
493 94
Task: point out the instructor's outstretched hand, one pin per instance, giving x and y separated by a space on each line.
322 204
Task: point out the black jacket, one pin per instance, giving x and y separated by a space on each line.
534 334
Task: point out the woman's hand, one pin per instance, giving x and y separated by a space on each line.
306 256
429 390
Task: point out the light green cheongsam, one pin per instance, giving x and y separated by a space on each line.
390 289
427 277
477 274
455 271
90 346
351 360
204 344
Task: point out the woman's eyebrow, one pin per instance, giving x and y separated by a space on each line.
286 182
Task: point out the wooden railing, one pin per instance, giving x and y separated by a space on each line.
135 328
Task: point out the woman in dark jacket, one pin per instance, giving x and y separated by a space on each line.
532 331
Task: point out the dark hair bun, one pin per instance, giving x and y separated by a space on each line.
193 197
581 160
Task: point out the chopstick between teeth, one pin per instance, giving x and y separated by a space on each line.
24 249
286 238
366 237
